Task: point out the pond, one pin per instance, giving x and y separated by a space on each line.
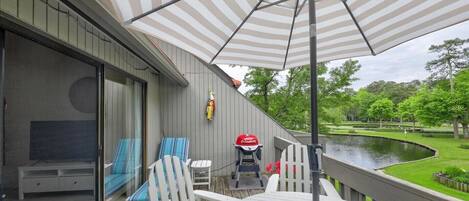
372 152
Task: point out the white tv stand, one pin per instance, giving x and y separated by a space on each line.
55 177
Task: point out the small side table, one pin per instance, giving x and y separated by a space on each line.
200 171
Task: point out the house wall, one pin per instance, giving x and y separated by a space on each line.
55 19
183 113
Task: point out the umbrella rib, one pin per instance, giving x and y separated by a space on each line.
358 26
301 7
271 4
151 11
236 30
291 33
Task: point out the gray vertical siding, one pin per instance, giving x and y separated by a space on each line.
183 113
60 22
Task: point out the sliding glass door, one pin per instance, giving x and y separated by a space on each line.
50 124
123 134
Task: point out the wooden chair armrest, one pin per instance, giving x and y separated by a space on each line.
329 189
272 184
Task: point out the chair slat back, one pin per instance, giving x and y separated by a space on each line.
171 146
152 186
173 189
294 169
169 180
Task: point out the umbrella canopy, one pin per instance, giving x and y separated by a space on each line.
275 34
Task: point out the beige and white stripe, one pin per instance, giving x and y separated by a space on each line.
202 27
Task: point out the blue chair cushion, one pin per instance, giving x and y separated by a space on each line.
127 159
121 157
114 182
141 194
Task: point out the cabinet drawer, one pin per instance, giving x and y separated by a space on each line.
32 185
76 183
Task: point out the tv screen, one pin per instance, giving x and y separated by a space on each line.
63 140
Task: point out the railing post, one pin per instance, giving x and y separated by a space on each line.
347 193
354 195
362 197
341 190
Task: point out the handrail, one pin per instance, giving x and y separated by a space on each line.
356 183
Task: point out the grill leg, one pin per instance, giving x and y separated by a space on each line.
260 179
237 179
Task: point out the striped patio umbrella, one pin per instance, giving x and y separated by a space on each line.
282 34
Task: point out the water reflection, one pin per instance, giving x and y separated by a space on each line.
372 152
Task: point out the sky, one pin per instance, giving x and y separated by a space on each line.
403 63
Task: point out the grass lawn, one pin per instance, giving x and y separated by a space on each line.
420 172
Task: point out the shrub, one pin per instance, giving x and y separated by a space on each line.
464 146
463 178
437 135
453 172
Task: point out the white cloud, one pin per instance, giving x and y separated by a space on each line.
403 63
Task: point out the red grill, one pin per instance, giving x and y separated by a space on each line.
247 142
249 152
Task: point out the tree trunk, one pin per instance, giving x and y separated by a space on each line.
400 125
465 129
456 129
413 126
380 123
451 77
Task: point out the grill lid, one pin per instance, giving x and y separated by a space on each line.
247 142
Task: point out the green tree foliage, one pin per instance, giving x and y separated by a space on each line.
462 94
407 110
397 92
290 103
381 109
262 83
451 57
433 106
334 91
363 100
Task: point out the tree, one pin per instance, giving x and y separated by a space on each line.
334 91
290 103
397 92
381 109
434 106
407 110
364 100
462 94
451 57
263 83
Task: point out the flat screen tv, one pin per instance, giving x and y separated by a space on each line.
63 141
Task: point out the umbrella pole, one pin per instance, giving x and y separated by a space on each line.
314 101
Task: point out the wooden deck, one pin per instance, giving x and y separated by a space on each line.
220 185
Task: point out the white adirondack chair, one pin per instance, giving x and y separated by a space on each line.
175 183
295 172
